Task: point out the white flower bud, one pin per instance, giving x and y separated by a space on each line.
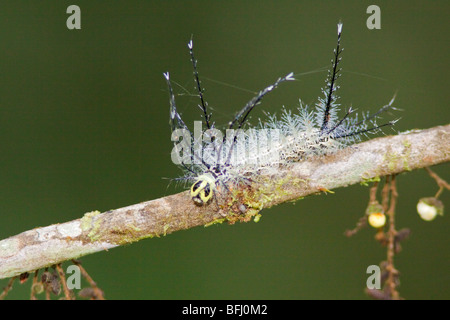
377 219
429 208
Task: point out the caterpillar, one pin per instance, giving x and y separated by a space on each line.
213 160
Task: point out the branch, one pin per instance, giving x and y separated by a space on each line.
95 231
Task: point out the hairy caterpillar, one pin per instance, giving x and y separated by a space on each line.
213 159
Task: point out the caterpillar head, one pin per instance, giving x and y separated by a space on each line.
202 190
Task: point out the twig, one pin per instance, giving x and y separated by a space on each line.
373 192
34 284
95 231
385 194
98 293
440 182
362 222
391 281
62 278
7 288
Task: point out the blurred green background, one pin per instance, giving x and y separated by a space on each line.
84 126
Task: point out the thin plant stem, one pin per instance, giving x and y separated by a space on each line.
62 277
391 282
7 288
97 291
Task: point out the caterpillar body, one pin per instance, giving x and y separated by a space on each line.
213 160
